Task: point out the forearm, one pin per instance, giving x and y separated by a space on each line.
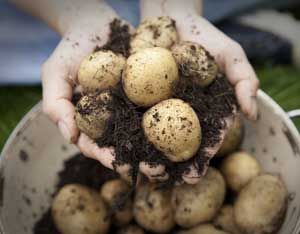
61 14
152 8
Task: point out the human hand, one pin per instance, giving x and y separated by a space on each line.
228 54
87 29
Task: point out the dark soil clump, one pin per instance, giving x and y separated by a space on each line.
212 104
119 38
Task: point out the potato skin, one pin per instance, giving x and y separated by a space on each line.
131 229
110 192
195 62
264 197
149 76
199 203
153 209
233 137
225 220
100 70
77 209
92 113
203 229
154 32
238 169
173 127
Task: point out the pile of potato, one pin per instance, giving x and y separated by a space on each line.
148 77
257 202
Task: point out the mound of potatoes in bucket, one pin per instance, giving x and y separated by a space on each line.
183 209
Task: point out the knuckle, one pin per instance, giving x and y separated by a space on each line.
236 48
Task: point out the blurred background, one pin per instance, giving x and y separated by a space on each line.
268 30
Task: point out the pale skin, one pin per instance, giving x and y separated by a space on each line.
84 25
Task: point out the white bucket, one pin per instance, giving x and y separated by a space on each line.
35 151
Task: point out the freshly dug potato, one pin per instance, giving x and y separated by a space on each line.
77 209
233 137
173 127
199 203
100 70
131 229
149 76
152 209
195 62
225 220
238 169
111 192
261 205
92 113
203 229
155 32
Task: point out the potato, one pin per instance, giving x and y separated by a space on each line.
149 76
238 169
77 209
111 192
195 62
173 127
152 209
261 205
131 229
233 137
203 229
93 113
155 32
199 203
225 220
100 70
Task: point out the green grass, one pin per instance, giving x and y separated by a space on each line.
281 83
14 103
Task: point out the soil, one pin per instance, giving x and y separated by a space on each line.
212 104
119 38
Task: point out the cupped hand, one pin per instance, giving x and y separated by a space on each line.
89 28
229 55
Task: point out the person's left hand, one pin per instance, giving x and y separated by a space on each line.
228 54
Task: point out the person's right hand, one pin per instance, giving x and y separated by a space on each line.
88 29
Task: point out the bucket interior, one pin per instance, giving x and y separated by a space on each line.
35 153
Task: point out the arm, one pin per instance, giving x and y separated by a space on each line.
61 14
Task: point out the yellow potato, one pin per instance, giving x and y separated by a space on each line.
199 203
173 127
154 32
111 192
203 229
100 70
225 220
238 169
261 205
149 76
93 113
77 209
233 137
195 62
152 209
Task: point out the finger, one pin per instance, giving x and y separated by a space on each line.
242 76
58 80
156 172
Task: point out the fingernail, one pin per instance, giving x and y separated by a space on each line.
64 130
253 109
